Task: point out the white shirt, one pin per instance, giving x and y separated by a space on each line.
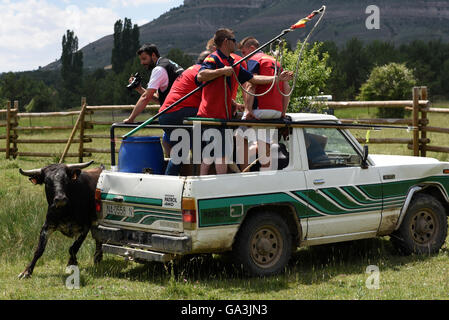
158 79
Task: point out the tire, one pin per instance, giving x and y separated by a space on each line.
424 228
263 245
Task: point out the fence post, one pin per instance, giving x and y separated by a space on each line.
424 122
14 125
8 128
82 127
69 142
416 121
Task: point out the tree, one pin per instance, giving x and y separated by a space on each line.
393 81
311 77
72 69
180 58
381 53
33 95
126 44
355 66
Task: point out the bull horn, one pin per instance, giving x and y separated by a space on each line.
80 165
30 173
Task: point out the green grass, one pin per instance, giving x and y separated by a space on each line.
321 272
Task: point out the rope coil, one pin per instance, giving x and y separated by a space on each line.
279 55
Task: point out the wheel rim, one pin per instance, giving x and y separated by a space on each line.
266 246
424 226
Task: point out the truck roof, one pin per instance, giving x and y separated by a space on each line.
312 117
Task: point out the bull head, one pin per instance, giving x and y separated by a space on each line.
36 175
55 177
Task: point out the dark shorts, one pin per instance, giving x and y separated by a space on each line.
221 149
175 118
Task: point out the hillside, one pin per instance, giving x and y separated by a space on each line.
189 26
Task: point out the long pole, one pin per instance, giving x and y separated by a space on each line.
283 33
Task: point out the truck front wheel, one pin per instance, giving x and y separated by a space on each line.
424 228
263 245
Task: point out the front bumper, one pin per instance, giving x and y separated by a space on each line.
151 242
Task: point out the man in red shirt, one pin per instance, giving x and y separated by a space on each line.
183 85
263 64
216 99
272 105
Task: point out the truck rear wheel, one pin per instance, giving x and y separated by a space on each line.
263 245
424 228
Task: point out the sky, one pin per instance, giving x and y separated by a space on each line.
31 30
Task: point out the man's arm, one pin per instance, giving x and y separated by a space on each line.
284 76
285 99
145 98
211 74
249 100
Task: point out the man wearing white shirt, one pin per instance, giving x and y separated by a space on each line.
164 73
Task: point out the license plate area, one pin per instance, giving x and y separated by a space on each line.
117 210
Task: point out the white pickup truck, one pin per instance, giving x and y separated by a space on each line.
330 190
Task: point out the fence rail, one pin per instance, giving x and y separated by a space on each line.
418 142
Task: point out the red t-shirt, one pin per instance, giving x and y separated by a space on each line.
213 98
183 85
264 65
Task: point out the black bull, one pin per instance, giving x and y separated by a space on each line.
70 195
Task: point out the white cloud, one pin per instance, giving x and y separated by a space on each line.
31 29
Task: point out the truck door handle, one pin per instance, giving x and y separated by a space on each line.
318 181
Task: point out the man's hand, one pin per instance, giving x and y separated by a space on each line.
249 115
128 120
239 106
286 76
139 88
227 71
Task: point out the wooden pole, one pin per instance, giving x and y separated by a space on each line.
83 110
416 121
423 123
82 126
8 128
14 126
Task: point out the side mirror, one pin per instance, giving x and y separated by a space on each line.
364 163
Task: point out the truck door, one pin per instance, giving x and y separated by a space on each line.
344 200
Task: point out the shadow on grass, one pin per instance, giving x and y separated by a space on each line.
311 265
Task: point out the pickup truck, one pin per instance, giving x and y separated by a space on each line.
262 217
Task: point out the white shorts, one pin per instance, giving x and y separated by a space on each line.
267 135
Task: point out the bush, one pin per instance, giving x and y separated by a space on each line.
312 75
393 81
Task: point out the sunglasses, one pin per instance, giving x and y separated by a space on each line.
232 39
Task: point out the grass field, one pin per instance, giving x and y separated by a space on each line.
323 272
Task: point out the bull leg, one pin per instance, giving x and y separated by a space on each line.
43 238
75 247
98 256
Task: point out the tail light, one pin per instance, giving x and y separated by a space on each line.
98 201
189 213
446 171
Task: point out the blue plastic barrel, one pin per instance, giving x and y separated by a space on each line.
141 154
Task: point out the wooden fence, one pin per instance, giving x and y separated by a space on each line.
420 107
418 142
81 128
